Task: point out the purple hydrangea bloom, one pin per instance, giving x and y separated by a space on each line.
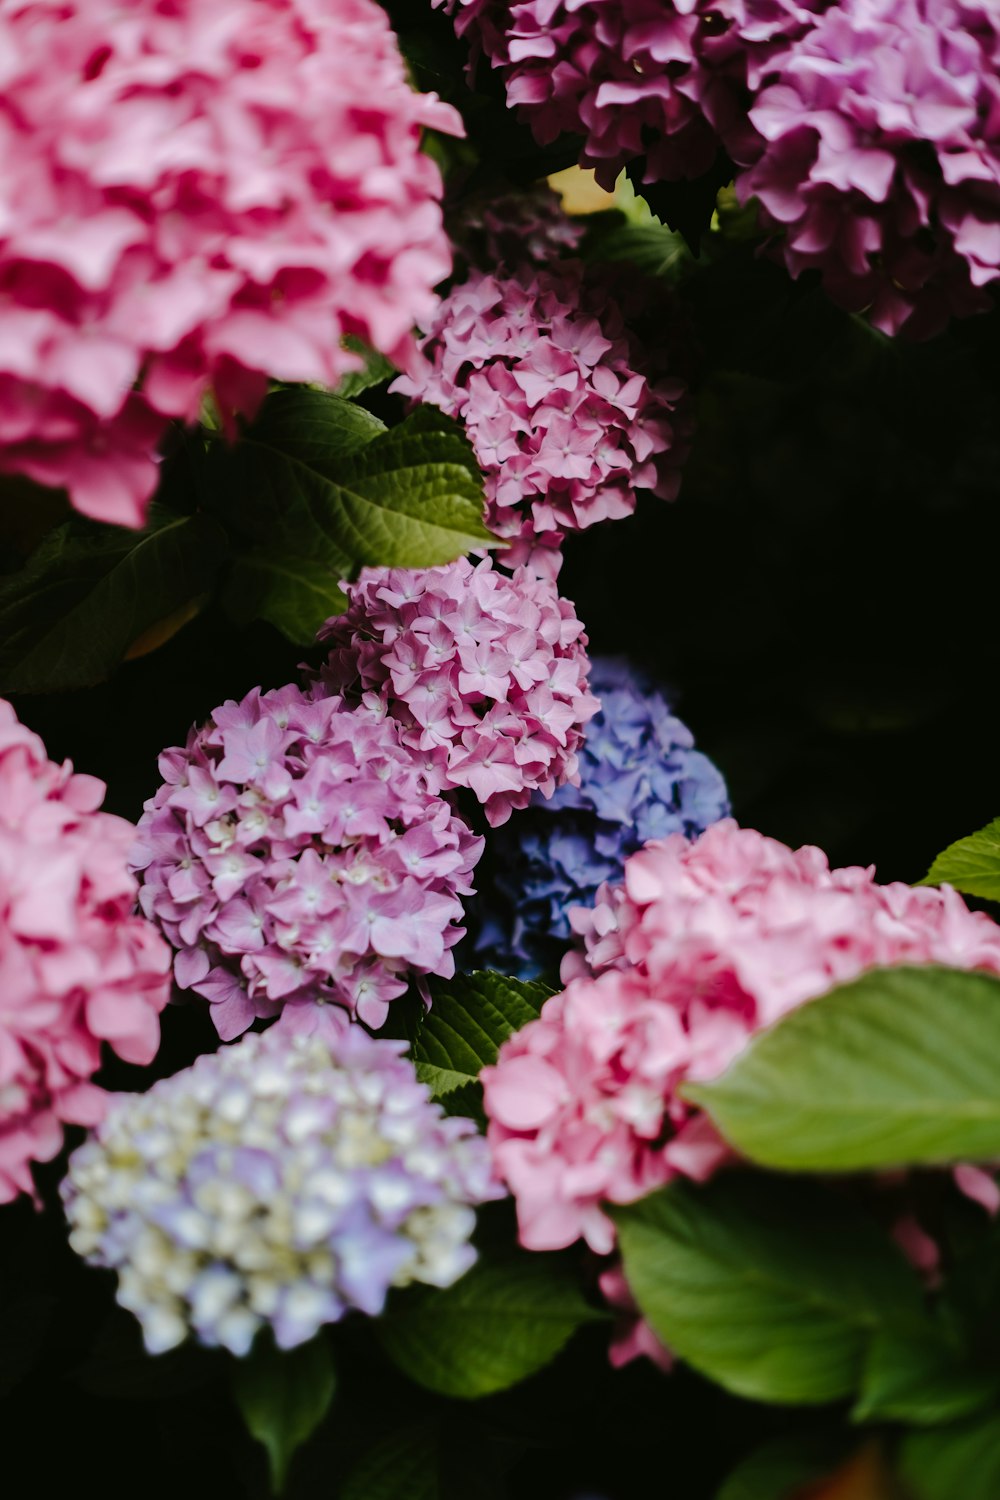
564 414
880 157
296 853
485 674
640 779
276 1183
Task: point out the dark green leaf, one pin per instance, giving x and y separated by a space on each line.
318 488
501 1322
374 371
90 592
651 248
404 1466
470 1018
971 864
283 1396
923 1376
772 1288
779 1469
897 1068
953 1463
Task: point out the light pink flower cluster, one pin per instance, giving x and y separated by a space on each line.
703 944
485 674
76 967
197 196
881 157
295 854
566 426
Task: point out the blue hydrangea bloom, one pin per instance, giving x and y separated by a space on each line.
640 778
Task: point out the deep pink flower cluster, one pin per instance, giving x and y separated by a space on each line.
197 196
512 228
703 944
485 674
76 967
662 80
881 157
295 854
539 366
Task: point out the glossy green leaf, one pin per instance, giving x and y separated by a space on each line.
283 1395
375 370
971 865
505 1319
319 487
896 1068
469 1019
69 617
770 1287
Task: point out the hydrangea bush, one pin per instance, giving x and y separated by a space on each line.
322 357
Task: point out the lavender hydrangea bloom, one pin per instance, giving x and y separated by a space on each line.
880 157
280 1182
640 779
297 853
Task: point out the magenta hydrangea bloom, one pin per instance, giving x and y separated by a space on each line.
279 1183
515 228
565 423
295 854
880 157
197 196
485 674
77 968
703 945
659 80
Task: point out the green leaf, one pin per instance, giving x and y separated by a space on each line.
772 1288
318 488
897 1068
780 1469
971 864
470 1018
283 1396
375 370
90 591
923 1376
404 1466
505 1319
651 248
953 1463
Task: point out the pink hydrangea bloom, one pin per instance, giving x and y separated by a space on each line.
485 674
197 196
880 157
295 854
702 945
76 967
662 80
565 423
